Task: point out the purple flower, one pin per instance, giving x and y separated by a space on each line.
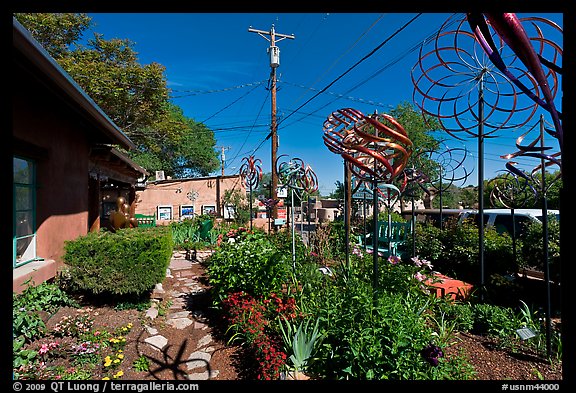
431 353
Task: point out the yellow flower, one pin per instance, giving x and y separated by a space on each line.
116 361
124 329
119 374
120 356
130 326
106 378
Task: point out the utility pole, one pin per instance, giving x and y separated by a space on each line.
222 156
274 53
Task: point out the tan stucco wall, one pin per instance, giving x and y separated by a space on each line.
174 193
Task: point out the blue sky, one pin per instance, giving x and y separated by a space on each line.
218 74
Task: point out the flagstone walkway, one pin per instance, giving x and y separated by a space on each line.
176 325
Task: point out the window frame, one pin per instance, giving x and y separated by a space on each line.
32 186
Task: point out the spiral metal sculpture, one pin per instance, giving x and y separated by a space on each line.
448 77
539 56
296 175
535 149
442 168
299 178
251 172
376 146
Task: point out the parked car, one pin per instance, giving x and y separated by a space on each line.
501 219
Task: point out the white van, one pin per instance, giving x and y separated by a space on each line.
501 219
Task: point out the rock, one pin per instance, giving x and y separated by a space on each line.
157 342
198 359
152 313
207 339
179 323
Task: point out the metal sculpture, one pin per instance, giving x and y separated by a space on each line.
448 168
537 149
512 191
299 178
251 174
456 82
376 149
539 55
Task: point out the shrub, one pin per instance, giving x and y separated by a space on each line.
493 320
128 262
250 262
533 252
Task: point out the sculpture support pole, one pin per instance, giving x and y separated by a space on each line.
413 228
347 209
364 216
250 206
545 242
375 231
293 238
481 183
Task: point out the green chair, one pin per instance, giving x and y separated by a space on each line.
393 243
204 230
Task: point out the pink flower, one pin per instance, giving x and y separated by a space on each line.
419 276
394 259
44 349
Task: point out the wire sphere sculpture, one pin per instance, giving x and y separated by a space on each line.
339 125
511 190
251 172
448 168
450 74
297 176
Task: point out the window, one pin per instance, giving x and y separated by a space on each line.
164 212
208 209
186 211
24 209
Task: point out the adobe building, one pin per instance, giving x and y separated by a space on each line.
63 162
175 199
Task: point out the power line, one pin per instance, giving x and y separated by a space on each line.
371 53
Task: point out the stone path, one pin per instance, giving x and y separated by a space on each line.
183 315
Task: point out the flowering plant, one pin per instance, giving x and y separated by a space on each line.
250 318
432 353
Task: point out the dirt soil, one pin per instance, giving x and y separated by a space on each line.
227 361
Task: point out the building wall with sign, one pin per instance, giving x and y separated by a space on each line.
175 199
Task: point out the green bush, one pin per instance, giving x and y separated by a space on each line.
250 262
532 249
493 320
454 251
127 262
375 335
428 241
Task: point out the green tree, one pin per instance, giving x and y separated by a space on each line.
338 192
134 96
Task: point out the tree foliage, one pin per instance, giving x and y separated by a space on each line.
135 96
